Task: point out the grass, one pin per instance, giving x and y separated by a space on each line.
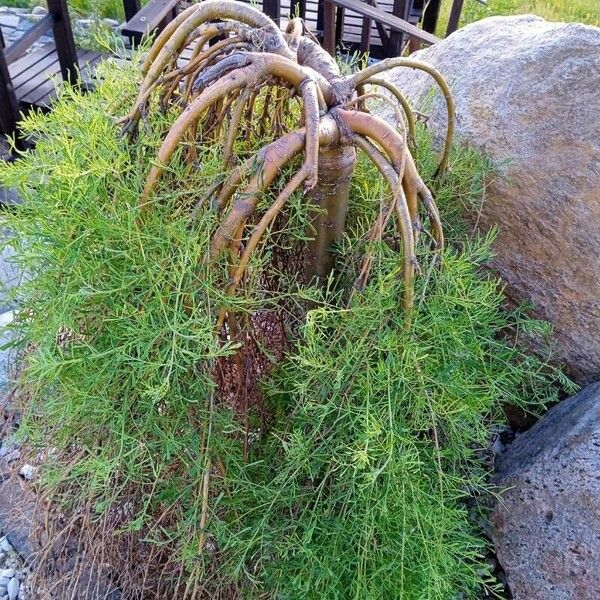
363 459
112 9
583 11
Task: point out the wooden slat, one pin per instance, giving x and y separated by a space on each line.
45 91
18 48
32 75
454 16
131 8
148 18
391 21
24 63
34 65
63 38
9 109
431 15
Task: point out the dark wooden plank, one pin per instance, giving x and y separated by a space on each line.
401 10
9 109
148 19
431 15
340 19
391 21
63 38
329 40
49 64
38 95
26 61
272 8
131 8
454 18
365 32
41 90
18 48
35 66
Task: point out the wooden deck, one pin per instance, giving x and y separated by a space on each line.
35 74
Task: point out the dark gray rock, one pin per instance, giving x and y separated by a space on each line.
546 525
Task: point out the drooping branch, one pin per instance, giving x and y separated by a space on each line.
390 87
216 92
392 63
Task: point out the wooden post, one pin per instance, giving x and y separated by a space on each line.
329 27
131 8
63 38
320 19
272 8
302 9
431 16
402 10
9 107
365 33
454 16
340 17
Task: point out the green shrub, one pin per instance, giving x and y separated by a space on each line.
351 480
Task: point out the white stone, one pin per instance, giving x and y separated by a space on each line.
27 472
6 318
527 94
13 588
6 545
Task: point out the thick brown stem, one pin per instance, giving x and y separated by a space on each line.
277 155
329 199
258 233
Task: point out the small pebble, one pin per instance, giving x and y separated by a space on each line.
5 545
7 573
13 588
27 472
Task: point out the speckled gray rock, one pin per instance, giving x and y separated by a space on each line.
546 526
526 93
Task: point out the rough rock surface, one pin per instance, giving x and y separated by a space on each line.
526 93
546 526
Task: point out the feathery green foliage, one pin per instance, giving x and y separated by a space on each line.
355 485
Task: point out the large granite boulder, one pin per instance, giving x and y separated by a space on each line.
546 525
527 93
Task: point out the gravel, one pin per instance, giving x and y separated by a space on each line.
14 573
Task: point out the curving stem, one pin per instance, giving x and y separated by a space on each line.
391 63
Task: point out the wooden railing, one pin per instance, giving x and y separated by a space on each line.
333 27
58 20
